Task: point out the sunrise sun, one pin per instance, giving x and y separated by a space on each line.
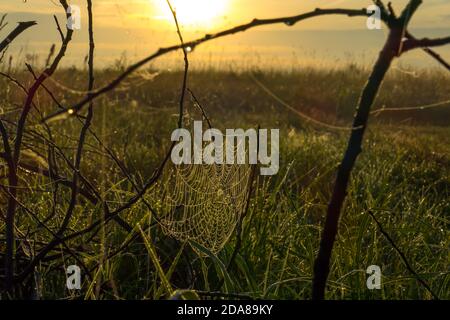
193 12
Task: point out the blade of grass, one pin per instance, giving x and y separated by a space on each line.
152 252
220 266
172 268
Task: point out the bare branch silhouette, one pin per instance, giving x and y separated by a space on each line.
411 44
403 257
15 154
65 163
3 24
393 48
289 20
431 53
21 27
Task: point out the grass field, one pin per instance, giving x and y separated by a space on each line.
402 177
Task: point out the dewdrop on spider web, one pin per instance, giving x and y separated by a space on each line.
188 48
62 116
201 202
289 23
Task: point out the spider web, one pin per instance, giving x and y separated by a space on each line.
201 202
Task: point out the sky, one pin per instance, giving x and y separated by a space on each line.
149 13
136 27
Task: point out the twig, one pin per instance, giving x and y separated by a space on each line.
186 66
431 53
58 27
392 48
413 43
35 217
403 257
2 21
22 26
289 20
108 215
12 178
12 167
84 130
201 108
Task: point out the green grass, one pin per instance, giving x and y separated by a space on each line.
402 176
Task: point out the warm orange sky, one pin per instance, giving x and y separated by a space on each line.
140 26
207 14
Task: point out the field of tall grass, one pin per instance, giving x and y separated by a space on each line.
402 177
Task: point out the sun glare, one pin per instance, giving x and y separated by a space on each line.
194 12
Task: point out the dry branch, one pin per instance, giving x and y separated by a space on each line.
413 43
21 27
398 42
393 48
289 20
403 257
14 160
